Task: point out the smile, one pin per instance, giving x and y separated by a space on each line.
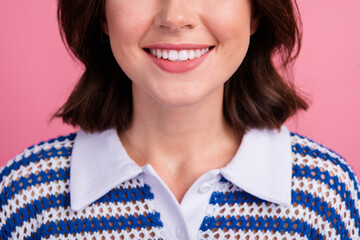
178 58
178 55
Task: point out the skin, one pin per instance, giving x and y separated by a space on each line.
178 126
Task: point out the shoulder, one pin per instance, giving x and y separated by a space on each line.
325 185
41 172
313 156
34 157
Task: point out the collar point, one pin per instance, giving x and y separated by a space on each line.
285 201
76 206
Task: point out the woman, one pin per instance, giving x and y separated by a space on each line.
181 112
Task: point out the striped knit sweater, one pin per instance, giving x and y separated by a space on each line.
35 202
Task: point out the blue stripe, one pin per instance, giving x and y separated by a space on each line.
234 198
118 195
22 184
32 180
297 148
241 197
31 210
312 141
127 195
316 153
223 180
260 224
103 224
53 152
70 137
309 201
333 183
321 208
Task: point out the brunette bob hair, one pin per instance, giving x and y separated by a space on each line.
256 96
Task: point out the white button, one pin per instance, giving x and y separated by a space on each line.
223 187
180 233
205 188
210 211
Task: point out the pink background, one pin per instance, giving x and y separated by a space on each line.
37 75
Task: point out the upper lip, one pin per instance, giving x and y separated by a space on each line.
177 46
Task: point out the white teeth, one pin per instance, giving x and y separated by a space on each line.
173 55
191 54
183 55
197 53
165 54
178 55
158 53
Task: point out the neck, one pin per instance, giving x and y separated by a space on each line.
176 132
181 143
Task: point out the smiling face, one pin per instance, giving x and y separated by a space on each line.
198 45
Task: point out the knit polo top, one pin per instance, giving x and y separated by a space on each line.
35 201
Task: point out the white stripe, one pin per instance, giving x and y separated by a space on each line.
41 165
310 217
337 204
44 146
34 149
225 187
33 192
333 200
136 182
19 201
26 229
133 234
317 146
247 235
35 168
333 170
102 210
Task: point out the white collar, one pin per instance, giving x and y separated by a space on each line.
261 166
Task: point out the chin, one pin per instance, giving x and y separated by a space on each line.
179 95
180 100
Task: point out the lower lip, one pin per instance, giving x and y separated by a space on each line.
178 67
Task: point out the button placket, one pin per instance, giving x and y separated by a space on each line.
180 233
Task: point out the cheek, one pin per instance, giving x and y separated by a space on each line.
230 25
229 20
127 24
127 21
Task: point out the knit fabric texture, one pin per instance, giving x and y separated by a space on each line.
35 202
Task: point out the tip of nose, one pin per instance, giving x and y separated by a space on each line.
174 16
